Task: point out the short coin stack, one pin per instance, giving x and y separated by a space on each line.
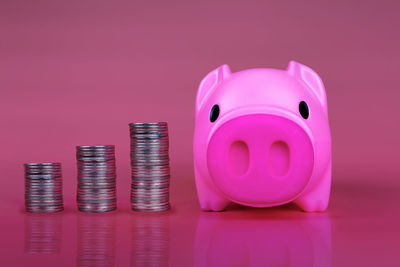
43 187
96 178
150 166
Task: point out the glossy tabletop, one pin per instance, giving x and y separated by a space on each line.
78 72
360 228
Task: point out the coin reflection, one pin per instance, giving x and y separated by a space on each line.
226 239
96 240
150 240
43 233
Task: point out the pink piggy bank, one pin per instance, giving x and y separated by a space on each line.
262 139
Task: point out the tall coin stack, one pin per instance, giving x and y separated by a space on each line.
43 187
150 166
96 178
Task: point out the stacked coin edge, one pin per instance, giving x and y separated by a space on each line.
96 190
43 187
150 166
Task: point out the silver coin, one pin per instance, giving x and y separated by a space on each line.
44 209
148 130
149 162
93 202
148 125
96 209
136 159
96 191
149 143
150 201
44 182
154 145
96 165
138 193
97 177
150 208
42 166
153 187
149 166
150 185
141 158
96 148
43 194
84 183
43 187
149 173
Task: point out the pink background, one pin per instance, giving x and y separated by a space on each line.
77 72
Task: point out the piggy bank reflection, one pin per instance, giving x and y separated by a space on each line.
223 240
262 139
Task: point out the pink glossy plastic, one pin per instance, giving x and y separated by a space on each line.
260 151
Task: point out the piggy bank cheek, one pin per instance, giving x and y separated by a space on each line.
260 159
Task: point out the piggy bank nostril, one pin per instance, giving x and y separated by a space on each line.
238 158
279 158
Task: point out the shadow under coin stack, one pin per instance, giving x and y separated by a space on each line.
150 166
43 187
96 178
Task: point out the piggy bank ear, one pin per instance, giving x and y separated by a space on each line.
209 83
311 78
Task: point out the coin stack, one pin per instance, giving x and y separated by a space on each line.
96 178
150 166
43 187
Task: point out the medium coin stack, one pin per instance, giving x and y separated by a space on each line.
150 166
96 178
43 187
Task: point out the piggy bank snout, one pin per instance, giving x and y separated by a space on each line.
260 159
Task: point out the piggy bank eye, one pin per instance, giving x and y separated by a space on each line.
214 113
303 108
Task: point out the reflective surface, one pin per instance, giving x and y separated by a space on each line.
360 228
77 72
